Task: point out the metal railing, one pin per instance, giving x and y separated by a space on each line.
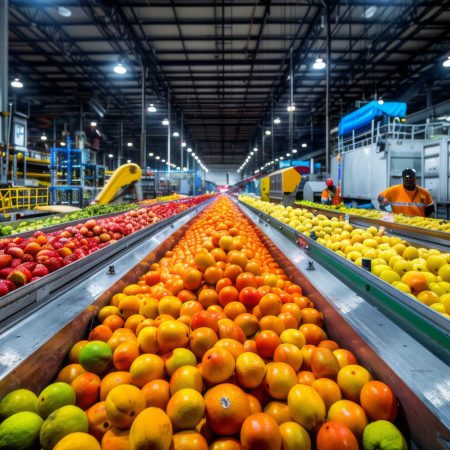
16 198
393 129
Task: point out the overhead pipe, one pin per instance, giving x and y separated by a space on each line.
4 81
142 150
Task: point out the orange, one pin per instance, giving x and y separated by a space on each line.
245 279
148 307
156 393
111 380
217 365
313 333
68 373
228 294
145 368
133 322
232 345
273 323
125 354
345 357
129 306
74 355
416 281
204 260
288 319
289 354
232 271
226 407
279 411
87 389
254 404
190 307
266 343
349 414
280 378
233 309
306 377
336 436
311 315
192 279
351 380
249 296
208 297
248 323
323 363
98 420
378 401
185 408
330 345
185 296
119 336
100 333
219 254
186 377
222 283
202 339
328 390
250 370
172 334
123 404
113 321
147 340
170 305
212 275
107 311
260 431
270 304
189 440
157 436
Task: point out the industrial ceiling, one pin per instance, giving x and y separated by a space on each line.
224 66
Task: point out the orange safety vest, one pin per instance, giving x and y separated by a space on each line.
330 197
403 201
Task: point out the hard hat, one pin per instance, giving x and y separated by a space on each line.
329 182
409 173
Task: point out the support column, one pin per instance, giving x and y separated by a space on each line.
142 150
181 141
3 80
327 94
120 152
291 101
168 131
272 128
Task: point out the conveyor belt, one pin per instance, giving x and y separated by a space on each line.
419 378
420 236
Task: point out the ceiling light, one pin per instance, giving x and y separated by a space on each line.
183 144
120 69
62 144
110 155
163 160
178 167
157 157
193 155
255 149
189 150
276 159
288 154
43 137
268 133
128 161
129 144
304 145
380 101
370 12
251 153
281 158
16 83
64 12
93 124
151 108
184 169
150 154
446 63
175 134
294 150
277 121
291 108
165 122
319 64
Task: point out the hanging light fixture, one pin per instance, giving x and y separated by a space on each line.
446 63
319 64
294 150
43 137
16 83
183 144
150 154
304 145
189 150
151 108
277 121
128 161
110 155
291 108
64 12
268 132
129 144
93 124
165 122
380 101
176 134
369 12
62 144
157 157
120 69
255 149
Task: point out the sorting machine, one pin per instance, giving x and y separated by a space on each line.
402 342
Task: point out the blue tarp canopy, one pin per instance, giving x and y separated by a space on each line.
363 116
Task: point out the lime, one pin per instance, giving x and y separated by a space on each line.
96 357
17 401
20 431
54 396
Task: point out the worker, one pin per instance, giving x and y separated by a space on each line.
407 198
329 194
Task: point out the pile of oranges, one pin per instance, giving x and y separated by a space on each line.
216 348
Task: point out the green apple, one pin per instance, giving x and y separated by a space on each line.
383 435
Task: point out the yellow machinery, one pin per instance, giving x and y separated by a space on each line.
281 186
19 198
127 175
